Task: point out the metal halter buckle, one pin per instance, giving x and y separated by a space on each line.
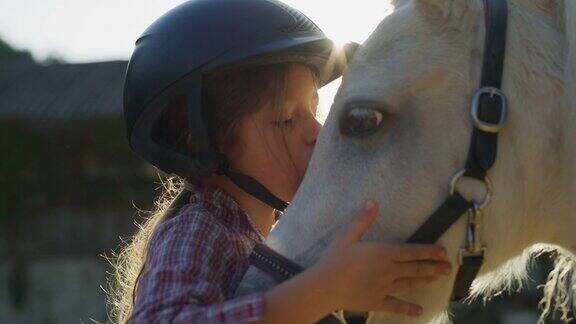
478 205
489 127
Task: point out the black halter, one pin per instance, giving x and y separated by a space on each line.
488 112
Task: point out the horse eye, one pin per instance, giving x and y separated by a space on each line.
361 120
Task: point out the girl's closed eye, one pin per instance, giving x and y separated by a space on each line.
284 123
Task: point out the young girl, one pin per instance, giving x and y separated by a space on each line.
224 94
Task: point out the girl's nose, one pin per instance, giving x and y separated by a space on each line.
312 133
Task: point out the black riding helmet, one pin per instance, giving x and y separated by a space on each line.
199 37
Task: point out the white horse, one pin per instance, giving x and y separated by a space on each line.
421 66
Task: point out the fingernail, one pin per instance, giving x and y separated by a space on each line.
369 205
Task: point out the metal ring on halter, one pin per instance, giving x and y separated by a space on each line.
478 205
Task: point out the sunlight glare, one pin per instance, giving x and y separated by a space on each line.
343 22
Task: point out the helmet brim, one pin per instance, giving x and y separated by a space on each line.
327 59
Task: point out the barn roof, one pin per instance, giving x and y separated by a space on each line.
61 91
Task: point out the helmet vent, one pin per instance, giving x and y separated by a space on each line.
301 22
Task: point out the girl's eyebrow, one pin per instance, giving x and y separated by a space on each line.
314 96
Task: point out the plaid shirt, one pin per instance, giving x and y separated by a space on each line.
196 260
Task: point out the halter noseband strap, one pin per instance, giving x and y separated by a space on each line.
488 112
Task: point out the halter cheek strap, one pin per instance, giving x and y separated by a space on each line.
488 112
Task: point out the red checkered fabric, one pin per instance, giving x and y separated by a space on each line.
195 262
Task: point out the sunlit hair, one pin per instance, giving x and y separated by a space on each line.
231 97
129 261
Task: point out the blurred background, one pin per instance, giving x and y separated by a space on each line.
70 188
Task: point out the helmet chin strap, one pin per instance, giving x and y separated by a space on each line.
249 185
252 187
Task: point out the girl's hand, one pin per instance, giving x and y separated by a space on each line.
361 275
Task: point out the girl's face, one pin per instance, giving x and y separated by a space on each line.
275 145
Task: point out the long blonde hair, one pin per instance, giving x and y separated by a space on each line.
129 262
231 97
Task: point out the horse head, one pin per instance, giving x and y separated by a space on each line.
400 129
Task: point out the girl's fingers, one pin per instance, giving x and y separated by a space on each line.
403 284
394 305
418 252
362 222
419 269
